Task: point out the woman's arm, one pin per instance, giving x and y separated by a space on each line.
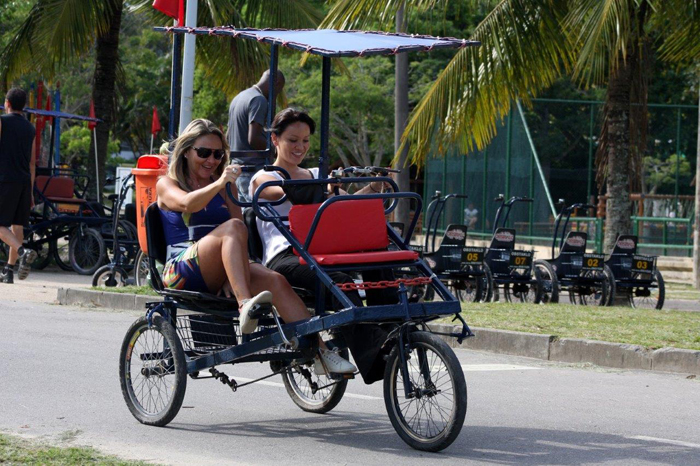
172 197
271 193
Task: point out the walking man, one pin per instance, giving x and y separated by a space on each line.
17 166
247 116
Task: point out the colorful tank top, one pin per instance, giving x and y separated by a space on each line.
183 229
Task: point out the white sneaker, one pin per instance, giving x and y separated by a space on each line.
330 361
249 325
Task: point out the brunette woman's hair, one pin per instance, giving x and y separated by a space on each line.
178 169
289 116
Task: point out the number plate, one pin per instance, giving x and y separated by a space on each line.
416 248
520 259
473 256
642 264
593 262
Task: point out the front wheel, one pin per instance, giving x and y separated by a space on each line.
109 276
648 297
313 393
152 371
87 250
549 283
431 416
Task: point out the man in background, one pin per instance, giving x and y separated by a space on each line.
471 215
17 169
247 116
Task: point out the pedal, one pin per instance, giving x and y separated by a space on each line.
260 310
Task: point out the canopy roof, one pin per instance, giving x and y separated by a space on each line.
333 43
51 113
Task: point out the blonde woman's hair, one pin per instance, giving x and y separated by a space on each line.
178 169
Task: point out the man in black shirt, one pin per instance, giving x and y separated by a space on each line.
17 166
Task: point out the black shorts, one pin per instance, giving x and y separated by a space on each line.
15 203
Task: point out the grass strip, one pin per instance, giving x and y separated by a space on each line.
15 450
145 290
650 328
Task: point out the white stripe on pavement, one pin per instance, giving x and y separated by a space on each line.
680 443
495 367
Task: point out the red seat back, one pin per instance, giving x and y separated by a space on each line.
345 226
55 186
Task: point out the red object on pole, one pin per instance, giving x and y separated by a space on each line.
48 107
92 124
173 8
155 124
39 121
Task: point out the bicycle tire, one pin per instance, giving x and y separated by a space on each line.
452 391
163 358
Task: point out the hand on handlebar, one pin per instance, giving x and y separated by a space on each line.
230 175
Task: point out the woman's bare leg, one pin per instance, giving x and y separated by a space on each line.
223 254
288 304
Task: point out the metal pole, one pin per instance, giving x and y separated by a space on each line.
272 96
484 188
97 166
537 159
509 143
678 155
531 194
444 186
589 175
57 123
175 81
325 116
188 67
464 187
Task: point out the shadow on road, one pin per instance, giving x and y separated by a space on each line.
501 445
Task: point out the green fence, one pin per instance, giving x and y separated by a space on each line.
547 152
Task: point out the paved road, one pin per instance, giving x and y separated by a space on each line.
58 380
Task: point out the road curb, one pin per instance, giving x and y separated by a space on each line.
127 301
532 345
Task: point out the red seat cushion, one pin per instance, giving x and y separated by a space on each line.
58 188
345 226
363 257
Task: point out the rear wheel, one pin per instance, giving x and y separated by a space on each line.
141 269
524 292
152 371
549 282
431 416
311 392
87 251
648 297
467 290
599 294
60 253
488 287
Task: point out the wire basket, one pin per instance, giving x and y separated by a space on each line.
205 333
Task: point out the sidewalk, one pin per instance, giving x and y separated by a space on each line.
41 285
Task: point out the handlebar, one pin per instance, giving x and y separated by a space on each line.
372 170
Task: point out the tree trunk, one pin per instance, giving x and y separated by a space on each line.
103 93
402 213
617 153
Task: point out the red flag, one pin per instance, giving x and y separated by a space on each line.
155 124
173 8
48 107
92 124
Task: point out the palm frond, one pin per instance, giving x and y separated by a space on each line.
602 33
359 14
54 33
523 51
679 21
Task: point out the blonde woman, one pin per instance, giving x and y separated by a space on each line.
207 239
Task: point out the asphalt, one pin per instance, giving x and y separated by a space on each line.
60 383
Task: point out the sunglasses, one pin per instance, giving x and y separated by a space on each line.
205 152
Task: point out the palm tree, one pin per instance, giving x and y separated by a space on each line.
526 46
57 32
